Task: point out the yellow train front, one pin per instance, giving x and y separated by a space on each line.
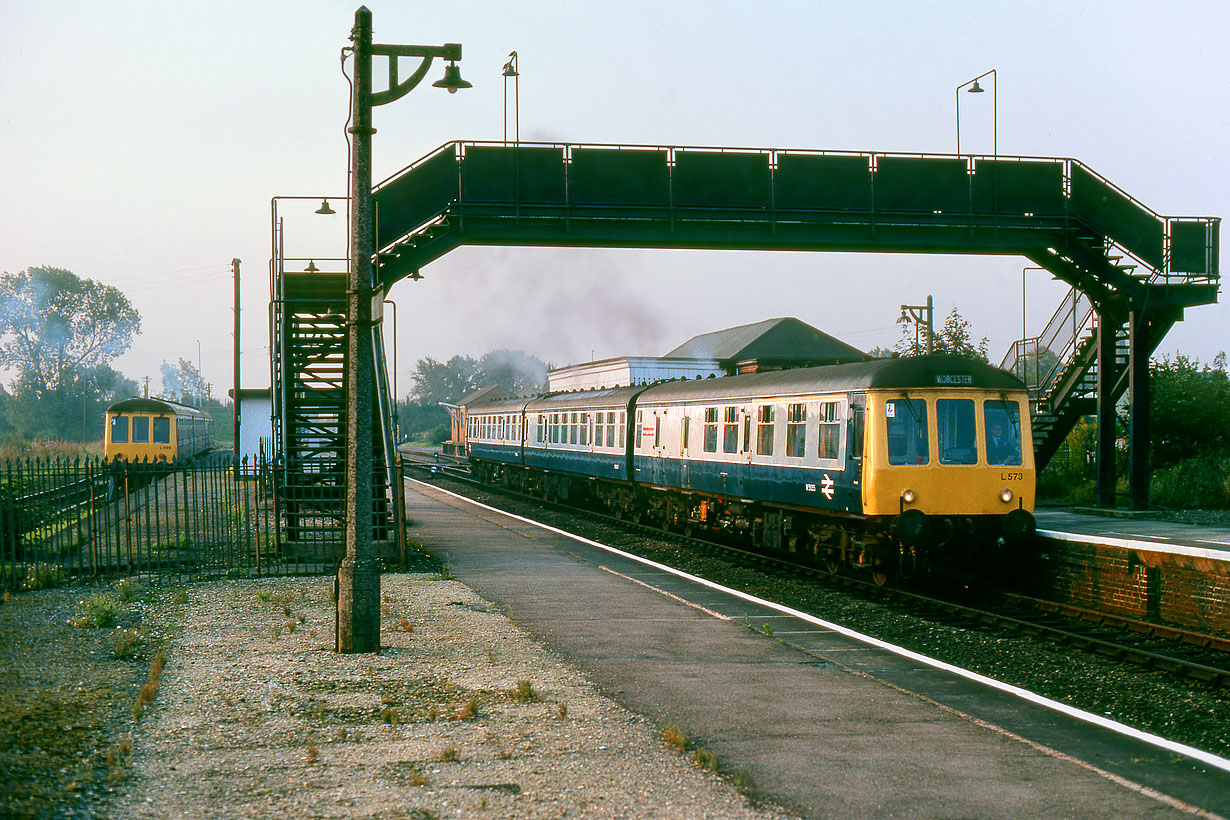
949 459
155 431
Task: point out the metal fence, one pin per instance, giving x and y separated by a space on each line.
64 521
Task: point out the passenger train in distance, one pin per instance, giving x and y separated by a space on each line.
891 465
155 431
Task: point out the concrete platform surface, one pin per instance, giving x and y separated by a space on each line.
822 724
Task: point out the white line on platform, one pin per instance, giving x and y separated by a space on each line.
1132 544
1207 758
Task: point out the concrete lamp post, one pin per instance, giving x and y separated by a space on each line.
358 600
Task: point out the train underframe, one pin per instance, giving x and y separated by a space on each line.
884 548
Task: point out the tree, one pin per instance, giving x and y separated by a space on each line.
184 383
54 324
60 333
953 338
1189 409
514 370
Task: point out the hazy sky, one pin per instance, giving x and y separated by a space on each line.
143 141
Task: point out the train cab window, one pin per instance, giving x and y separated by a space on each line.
796 430
764 430
711 429
119 429
830 431
906 422
162 430
140 429
1002 421
730 430
954 419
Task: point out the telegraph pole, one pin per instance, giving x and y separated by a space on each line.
235 379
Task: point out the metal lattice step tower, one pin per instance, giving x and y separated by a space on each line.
309 374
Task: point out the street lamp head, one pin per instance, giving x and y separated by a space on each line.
311 268
976 89
452 79
325 208
510 67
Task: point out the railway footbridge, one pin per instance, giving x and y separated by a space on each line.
1133 271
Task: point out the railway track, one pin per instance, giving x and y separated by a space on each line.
1197 656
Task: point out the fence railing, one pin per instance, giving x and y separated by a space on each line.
63 521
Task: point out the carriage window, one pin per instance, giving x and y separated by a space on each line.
612 428
730 430
542 428
162 430
555 428
657 430
711 429
906 421
954 420
599 429
830 430
119 429
584 428
764 430
1003 427
572 430
796 430
623 427
140 429
640 430
687 423
856 432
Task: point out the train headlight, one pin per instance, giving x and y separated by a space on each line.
908 496
1005 495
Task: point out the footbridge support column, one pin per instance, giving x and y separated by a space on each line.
1106 409
1140 346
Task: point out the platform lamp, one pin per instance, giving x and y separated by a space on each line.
510 70
358 599
976 88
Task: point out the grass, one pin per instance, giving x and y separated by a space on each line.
149 690
127 641
96 611
127 589
524 692
675 737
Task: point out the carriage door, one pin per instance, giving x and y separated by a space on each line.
854 451
659 463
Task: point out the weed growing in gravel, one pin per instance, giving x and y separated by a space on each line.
416 778
674 736
405 626
390 715
117 756
445 574
525 692
469 711
433 714
768 631
563 710
42 576
150 688
127 589
180 597
291 626
312 752
705 760
277 631
96 611
127 641
265 595
449 754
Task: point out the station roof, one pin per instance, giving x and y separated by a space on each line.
785 340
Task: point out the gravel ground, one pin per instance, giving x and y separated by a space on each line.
460 715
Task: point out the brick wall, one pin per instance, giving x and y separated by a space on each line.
1181 590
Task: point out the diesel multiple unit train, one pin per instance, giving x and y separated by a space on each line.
155 431
890 465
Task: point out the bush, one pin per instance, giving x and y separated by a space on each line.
1202 482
